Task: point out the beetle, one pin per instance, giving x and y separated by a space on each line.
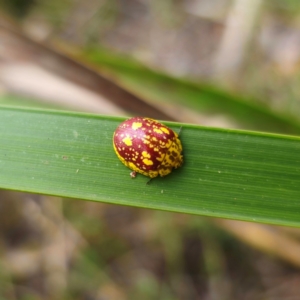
148 147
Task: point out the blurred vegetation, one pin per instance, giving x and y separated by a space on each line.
53 248
18 8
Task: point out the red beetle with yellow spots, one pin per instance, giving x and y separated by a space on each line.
148 147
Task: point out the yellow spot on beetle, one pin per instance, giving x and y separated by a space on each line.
148 162
146 154
127 140
157 130
165 130
136 125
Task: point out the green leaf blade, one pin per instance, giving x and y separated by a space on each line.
226 173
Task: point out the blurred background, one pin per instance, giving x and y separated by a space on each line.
158 59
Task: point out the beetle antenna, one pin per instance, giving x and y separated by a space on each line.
179 130
148 182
